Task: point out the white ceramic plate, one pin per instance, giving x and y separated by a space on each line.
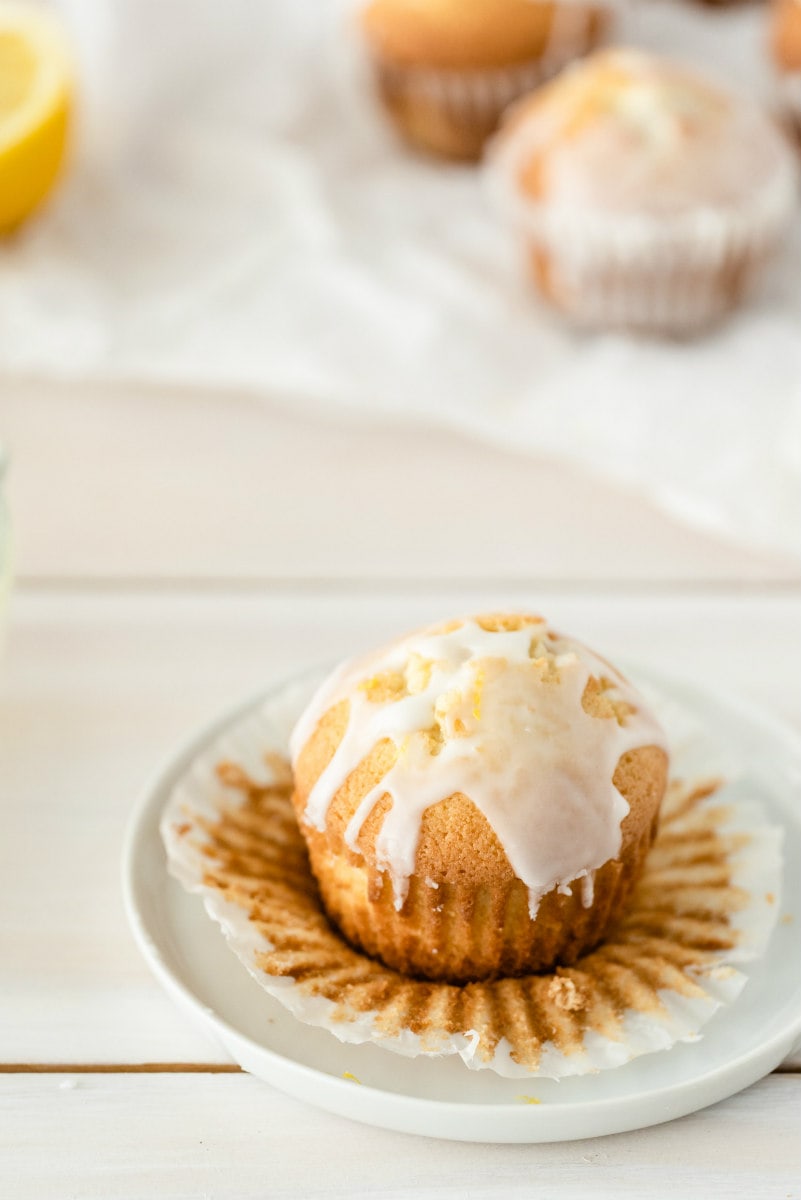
441 1098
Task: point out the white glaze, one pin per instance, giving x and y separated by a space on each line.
662 142
515 740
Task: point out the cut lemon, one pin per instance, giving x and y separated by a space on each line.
36 89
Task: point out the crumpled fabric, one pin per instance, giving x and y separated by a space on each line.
240 215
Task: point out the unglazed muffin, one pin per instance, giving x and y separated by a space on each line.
648 198
446 69
785 39
478 799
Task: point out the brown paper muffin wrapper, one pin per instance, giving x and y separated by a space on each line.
707 901
453 112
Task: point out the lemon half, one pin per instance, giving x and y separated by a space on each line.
36 92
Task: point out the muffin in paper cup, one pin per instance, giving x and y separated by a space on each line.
647 198
445 70
478 798
704 905
785 44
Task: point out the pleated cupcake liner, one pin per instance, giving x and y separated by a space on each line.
788 88
469 102
706 904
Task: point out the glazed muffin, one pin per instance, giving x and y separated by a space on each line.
478 799
785 40
446 69
647 197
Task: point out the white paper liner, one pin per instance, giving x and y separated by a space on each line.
754 866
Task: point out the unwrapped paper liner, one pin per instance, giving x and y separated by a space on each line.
707 901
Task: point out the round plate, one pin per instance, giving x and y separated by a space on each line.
442 1098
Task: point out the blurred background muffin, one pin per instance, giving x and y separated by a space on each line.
649 198
446 69
786 47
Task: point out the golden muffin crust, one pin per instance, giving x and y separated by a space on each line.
785 34
461 34
456 841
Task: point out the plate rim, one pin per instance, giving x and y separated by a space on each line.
413 1114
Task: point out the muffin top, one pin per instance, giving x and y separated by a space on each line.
786 34
464 34
627 132
498 714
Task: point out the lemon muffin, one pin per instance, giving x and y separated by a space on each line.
446 69
649 198
478 798
786 47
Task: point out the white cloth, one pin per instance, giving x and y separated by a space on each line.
239 214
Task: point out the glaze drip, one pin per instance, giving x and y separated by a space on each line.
498 717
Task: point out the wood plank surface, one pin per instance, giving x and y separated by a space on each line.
179 552
135 482
97 688
131 1136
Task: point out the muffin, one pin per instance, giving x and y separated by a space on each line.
478 798
648 198
446 69
785 41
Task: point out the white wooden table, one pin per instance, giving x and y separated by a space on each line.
175 552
